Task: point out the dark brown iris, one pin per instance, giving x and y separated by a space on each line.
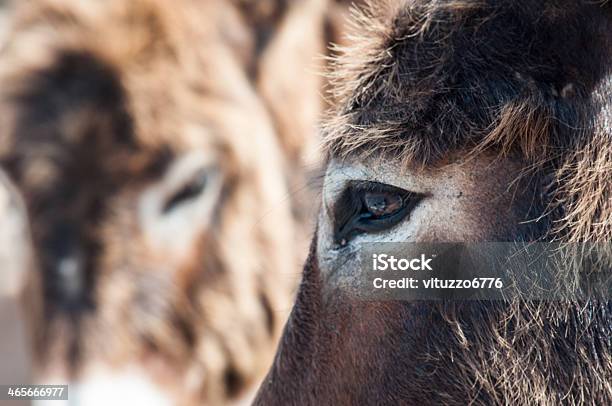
382 203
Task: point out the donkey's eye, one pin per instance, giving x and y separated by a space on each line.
380 204
369 207
194 186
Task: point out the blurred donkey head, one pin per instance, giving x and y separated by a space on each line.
152 145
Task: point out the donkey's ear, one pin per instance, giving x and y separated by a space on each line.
289 74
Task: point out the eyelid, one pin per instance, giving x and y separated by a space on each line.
192 187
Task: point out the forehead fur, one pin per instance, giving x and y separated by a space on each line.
427 79
424 78
146 45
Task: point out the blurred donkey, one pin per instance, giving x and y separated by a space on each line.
156 146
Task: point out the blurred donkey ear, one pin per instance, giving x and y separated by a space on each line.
289 74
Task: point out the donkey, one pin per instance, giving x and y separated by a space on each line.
151 145
459 121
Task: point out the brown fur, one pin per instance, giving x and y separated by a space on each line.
97 99
557 95
427 80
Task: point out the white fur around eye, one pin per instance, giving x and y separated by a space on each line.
463 202
340 174
175 231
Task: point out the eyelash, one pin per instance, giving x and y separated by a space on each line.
352 217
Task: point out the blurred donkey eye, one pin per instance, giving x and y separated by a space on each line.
191 189
369 207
